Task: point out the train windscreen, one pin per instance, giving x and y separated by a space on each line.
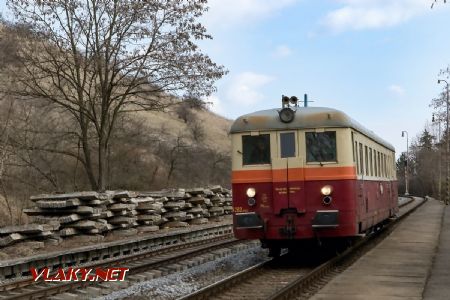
321 146
256 149
287 144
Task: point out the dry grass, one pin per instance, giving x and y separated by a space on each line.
216 127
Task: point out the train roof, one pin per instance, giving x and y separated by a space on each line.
305 118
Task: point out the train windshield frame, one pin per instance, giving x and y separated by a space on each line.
321 147
256 149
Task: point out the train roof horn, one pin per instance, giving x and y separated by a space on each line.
287 114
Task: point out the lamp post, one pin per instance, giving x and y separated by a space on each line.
447 194
406 165
438 121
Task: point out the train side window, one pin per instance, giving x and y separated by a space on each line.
357 158
367 160
379 161
388 169
321 146
393 165
256 149
354 149
361 159
287 144
384 165
370 162
375 162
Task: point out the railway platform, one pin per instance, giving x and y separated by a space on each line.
413 262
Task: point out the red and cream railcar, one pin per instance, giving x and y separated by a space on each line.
309 172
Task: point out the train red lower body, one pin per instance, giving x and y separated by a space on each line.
297 210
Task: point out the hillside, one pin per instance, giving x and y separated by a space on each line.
40 148
215 127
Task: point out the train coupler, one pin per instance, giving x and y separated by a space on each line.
289 230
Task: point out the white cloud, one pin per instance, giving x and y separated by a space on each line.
226 13
282 51
215 104
245 88
396 89
373 14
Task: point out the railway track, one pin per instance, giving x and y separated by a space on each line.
16 270
155 259
293 282
142 267
163 260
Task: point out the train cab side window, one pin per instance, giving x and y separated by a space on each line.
321 146
287 144
256 149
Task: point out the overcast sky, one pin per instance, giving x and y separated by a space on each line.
377 60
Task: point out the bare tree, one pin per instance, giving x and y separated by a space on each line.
436 1
4 157
174 155
184 112
99 59
197 130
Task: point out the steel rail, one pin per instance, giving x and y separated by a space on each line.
16 270
38 290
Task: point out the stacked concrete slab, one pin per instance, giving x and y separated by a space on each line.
184 207
149 213
57 216
173 207
36 232
221 204
121 210
73 213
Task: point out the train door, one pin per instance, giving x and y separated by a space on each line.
288 175
362 200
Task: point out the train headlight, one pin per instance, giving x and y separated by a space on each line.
251 202
326 190
251 192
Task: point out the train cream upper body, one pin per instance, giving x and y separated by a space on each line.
359 153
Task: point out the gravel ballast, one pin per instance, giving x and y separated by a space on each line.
178 284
